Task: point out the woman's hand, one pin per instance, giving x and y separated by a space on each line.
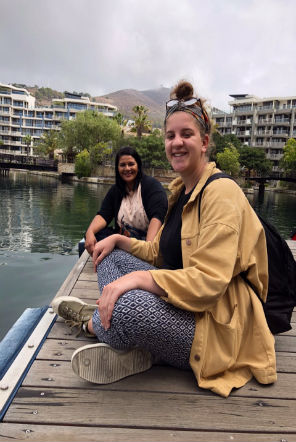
111 292
103 248
90 242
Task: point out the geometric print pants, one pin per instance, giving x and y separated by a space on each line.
142 319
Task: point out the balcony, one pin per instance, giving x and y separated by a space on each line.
280 133
274 156
242 110
265 108
270 144
281 121
263 132
265 121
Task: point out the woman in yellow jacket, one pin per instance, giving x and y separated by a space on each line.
180 300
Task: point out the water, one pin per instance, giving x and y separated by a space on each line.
42 221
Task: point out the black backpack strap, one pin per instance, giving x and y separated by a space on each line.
215 176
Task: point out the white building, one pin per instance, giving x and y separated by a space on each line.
260 122
20 117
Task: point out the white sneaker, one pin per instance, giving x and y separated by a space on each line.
102 364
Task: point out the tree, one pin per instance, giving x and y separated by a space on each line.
47 144
151 149
27 140
254 158
98 153
82 164
88 129
288 162
220 142
228 160
121 121
142 124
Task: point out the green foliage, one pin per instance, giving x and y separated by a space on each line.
288 162
83 164
86 131
151 149
27 140
47 144
98 153
220 142
119 118
228 160
142 124
254 158
47 93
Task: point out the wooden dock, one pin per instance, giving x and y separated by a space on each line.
162 404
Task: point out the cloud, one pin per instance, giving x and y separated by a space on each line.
100 46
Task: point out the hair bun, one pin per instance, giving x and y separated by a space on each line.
183 90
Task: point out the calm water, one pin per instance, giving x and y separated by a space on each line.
42 221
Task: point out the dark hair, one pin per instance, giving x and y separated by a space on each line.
127 150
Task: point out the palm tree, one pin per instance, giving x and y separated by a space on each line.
27 140
121 121
142 124
47 144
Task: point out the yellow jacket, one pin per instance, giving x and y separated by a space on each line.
232 341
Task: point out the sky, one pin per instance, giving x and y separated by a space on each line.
100 46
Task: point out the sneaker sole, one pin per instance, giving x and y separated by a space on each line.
102 364
56 302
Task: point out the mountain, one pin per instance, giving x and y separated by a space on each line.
126 99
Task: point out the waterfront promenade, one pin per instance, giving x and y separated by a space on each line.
162 404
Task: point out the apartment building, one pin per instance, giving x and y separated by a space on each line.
19 116
260 122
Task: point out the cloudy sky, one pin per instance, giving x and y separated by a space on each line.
100 46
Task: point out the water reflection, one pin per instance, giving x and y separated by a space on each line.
279 209
41 214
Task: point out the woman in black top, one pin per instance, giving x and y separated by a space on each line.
137 203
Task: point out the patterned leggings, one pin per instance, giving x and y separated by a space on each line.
142 319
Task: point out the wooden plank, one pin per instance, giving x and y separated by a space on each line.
62 331
86 285
65 289
159 379
62 350
87 276
285 343
85 294
151 410
48 433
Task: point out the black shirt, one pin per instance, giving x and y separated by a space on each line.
170 241
153 196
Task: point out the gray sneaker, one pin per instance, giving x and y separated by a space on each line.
102 364
75 312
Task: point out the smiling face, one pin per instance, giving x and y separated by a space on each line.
128 169
184 146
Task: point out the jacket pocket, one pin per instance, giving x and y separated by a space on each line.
222 345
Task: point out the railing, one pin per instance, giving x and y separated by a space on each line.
27 160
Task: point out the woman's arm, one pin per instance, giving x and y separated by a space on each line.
97 224
136 280
153 228
104 248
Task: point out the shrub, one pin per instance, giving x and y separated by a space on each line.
82 164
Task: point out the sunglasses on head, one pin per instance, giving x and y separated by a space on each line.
189 102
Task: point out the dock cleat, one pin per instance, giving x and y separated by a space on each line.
102 364
75 312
